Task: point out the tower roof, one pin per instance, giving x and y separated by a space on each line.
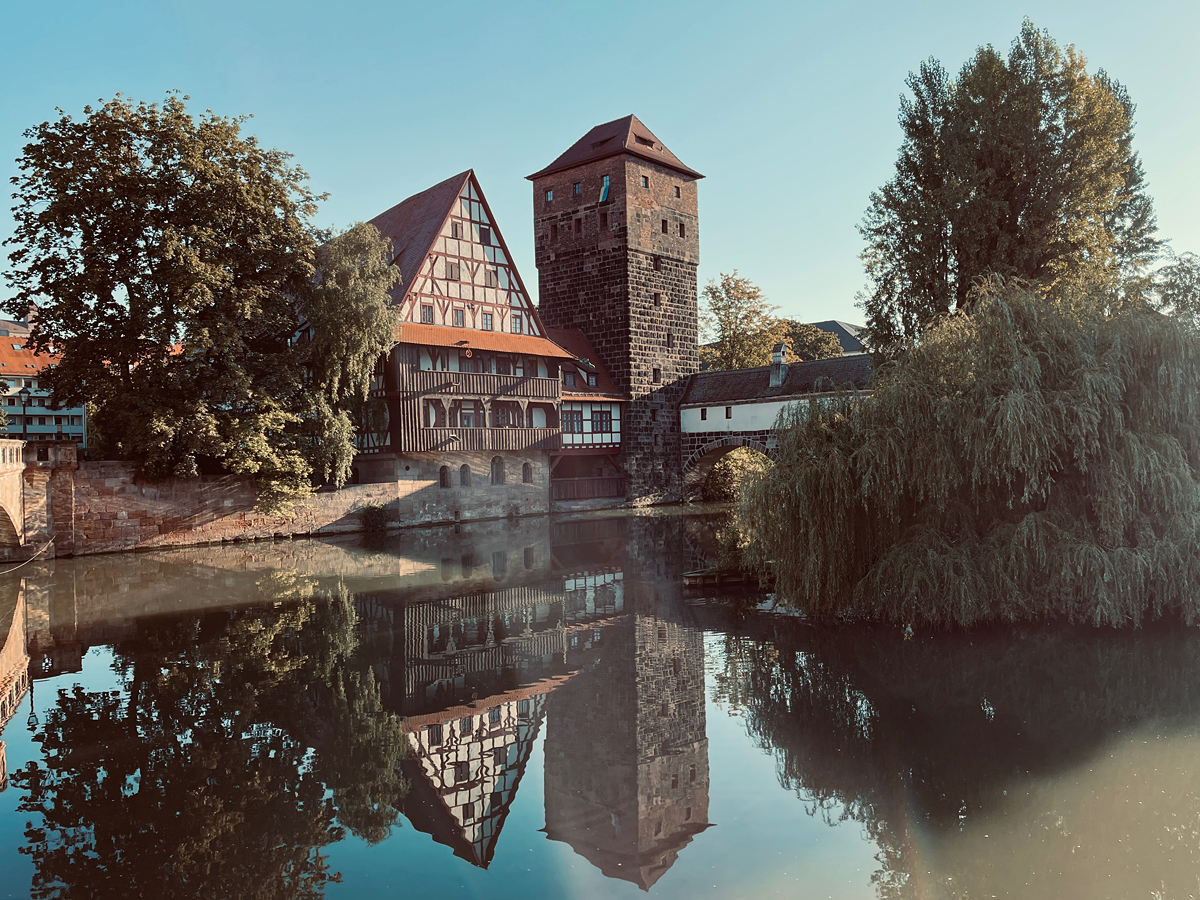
627 135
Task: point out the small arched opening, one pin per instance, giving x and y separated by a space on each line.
444 476
527 473
464 476
497 470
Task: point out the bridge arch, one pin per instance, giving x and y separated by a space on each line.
9 536
698 466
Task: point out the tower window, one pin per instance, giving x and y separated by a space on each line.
579 226
554 231
682 232
657 377
645 181
603 220
664 226
458 318
456 229
703 414
603 188
670 340
549 196
453 271
578 188
426 314
729 412
658 264
677 190
657 299
485 234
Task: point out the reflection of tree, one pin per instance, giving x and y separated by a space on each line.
240 745
926 742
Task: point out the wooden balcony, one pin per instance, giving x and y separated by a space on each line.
482 386
587 488
487 438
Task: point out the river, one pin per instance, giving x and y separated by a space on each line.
540 708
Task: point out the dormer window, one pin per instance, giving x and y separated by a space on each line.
569 379
591 380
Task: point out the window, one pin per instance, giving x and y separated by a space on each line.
41 420
658 264
687 813
447 568
494 719
682 230
444 477
458 318
703 415
677 191
497 470
674 780
591 380
670 340
692 772
453 271
644 141
468 811
518 324
462 772
579 226
464 476
549 196
729 412
456 230
529 550
435 735
499 564
578 188
657 299
527 477
601 422
465 726
554 231
491 278
664 226
486 323
485 234
603 220
426 314
572 421
568 379
657 376
499 754
645 181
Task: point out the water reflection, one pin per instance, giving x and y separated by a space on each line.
272 700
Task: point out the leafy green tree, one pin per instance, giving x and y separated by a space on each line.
738 323
1030 460
1021 167
808 342
1175 287
173 264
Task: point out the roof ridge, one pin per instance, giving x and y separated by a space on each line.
598 143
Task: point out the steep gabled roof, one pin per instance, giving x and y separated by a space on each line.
818 376
573 341
413 224
627 135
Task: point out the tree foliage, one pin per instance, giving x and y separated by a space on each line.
808 342
1021 167
172 264
1029 460
738 323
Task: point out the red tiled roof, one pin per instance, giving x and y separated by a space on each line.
20 363
576 344
612 138
413 225
498 341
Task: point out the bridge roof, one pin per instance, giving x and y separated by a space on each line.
740 385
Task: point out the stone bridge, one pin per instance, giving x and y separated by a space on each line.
36 495
721 411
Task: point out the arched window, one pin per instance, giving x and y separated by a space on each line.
527 473
497 470
444 476
464 476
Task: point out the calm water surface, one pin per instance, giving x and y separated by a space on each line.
539 709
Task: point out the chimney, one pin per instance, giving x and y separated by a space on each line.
778 365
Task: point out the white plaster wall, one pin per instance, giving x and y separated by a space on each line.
744 417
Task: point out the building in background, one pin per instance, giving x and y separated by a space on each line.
848 335
36 419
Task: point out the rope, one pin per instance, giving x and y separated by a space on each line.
31 559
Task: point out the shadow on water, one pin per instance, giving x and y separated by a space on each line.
273 699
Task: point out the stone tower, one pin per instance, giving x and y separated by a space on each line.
617 245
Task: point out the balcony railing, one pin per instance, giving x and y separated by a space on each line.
487 438
483 385
587 488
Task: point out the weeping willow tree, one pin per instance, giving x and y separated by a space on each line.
1032 459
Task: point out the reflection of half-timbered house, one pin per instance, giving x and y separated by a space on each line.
466 408
14 665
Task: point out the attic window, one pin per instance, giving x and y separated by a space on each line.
596 145
453 272
645 142
591 380
485 234
456 229
491 278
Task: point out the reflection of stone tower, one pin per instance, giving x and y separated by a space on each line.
627 752
616 226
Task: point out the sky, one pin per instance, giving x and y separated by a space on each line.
789 109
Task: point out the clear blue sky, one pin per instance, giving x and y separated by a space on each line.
789 109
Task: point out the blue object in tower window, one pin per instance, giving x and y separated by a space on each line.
604 189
